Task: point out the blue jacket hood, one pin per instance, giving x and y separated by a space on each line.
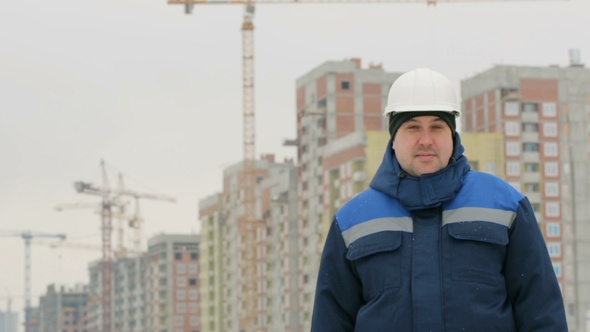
427 190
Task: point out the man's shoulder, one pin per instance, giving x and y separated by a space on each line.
369 205
487 190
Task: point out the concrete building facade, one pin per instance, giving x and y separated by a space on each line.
282 273
275 304
62 310
212 221
129 305
333 100
543 114
172 283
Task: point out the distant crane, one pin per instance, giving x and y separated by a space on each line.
109 200
28 236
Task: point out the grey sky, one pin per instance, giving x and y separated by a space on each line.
157 95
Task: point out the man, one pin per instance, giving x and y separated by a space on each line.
433 245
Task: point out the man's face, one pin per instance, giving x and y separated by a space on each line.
423 144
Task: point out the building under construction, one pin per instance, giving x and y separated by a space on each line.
542 115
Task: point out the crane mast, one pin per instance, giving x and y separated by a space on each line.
249 281
109 198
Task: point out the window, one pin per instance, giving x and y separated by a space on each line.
180 281
530 147
181 294
557 269
194 256
513 168
549 109
511 108
553 229
178 256
550 129
551 169
531 167
552 209
512 129
193 295
554 249
178 320
530 127
551 189
345 85
512 149
180 268
529 108
531 187
181 308
192 281
550 149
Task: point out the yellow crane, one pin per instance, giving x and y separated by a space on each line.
249 222
109 200
28 236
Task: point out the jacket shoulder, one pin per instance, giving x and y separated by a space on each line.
368 205
487 191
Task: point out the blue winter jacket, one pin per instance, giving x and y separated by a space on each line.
456 250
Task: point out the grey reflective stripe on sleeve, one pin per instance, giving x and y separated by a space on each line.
403 224
501 217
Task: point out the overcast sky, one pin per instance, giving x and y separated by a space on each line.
157 95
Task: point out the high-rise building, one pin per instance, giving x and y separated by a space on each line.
211 273
543 115
333 100
273 301
129 285
172 283
280 295
62 310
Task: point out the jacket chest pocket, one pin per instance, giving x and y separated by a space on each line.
478 251
377 261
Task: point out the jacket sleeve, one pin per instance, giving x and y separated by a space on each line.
338 294
530 279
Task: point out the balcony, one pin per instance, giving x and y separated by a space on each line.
530 117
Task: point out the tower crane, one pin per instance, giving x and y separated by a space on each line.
28 236
109 200
249 135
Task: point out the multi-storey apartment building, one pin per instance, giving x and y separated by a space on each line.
129 294
212 220
543 114
280 298
273 304
333 100
172 283
129 303
62 310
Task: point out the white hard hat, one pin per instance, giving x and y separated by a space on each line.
422 89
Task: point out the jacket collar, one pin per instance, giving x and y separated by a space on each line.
427 190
